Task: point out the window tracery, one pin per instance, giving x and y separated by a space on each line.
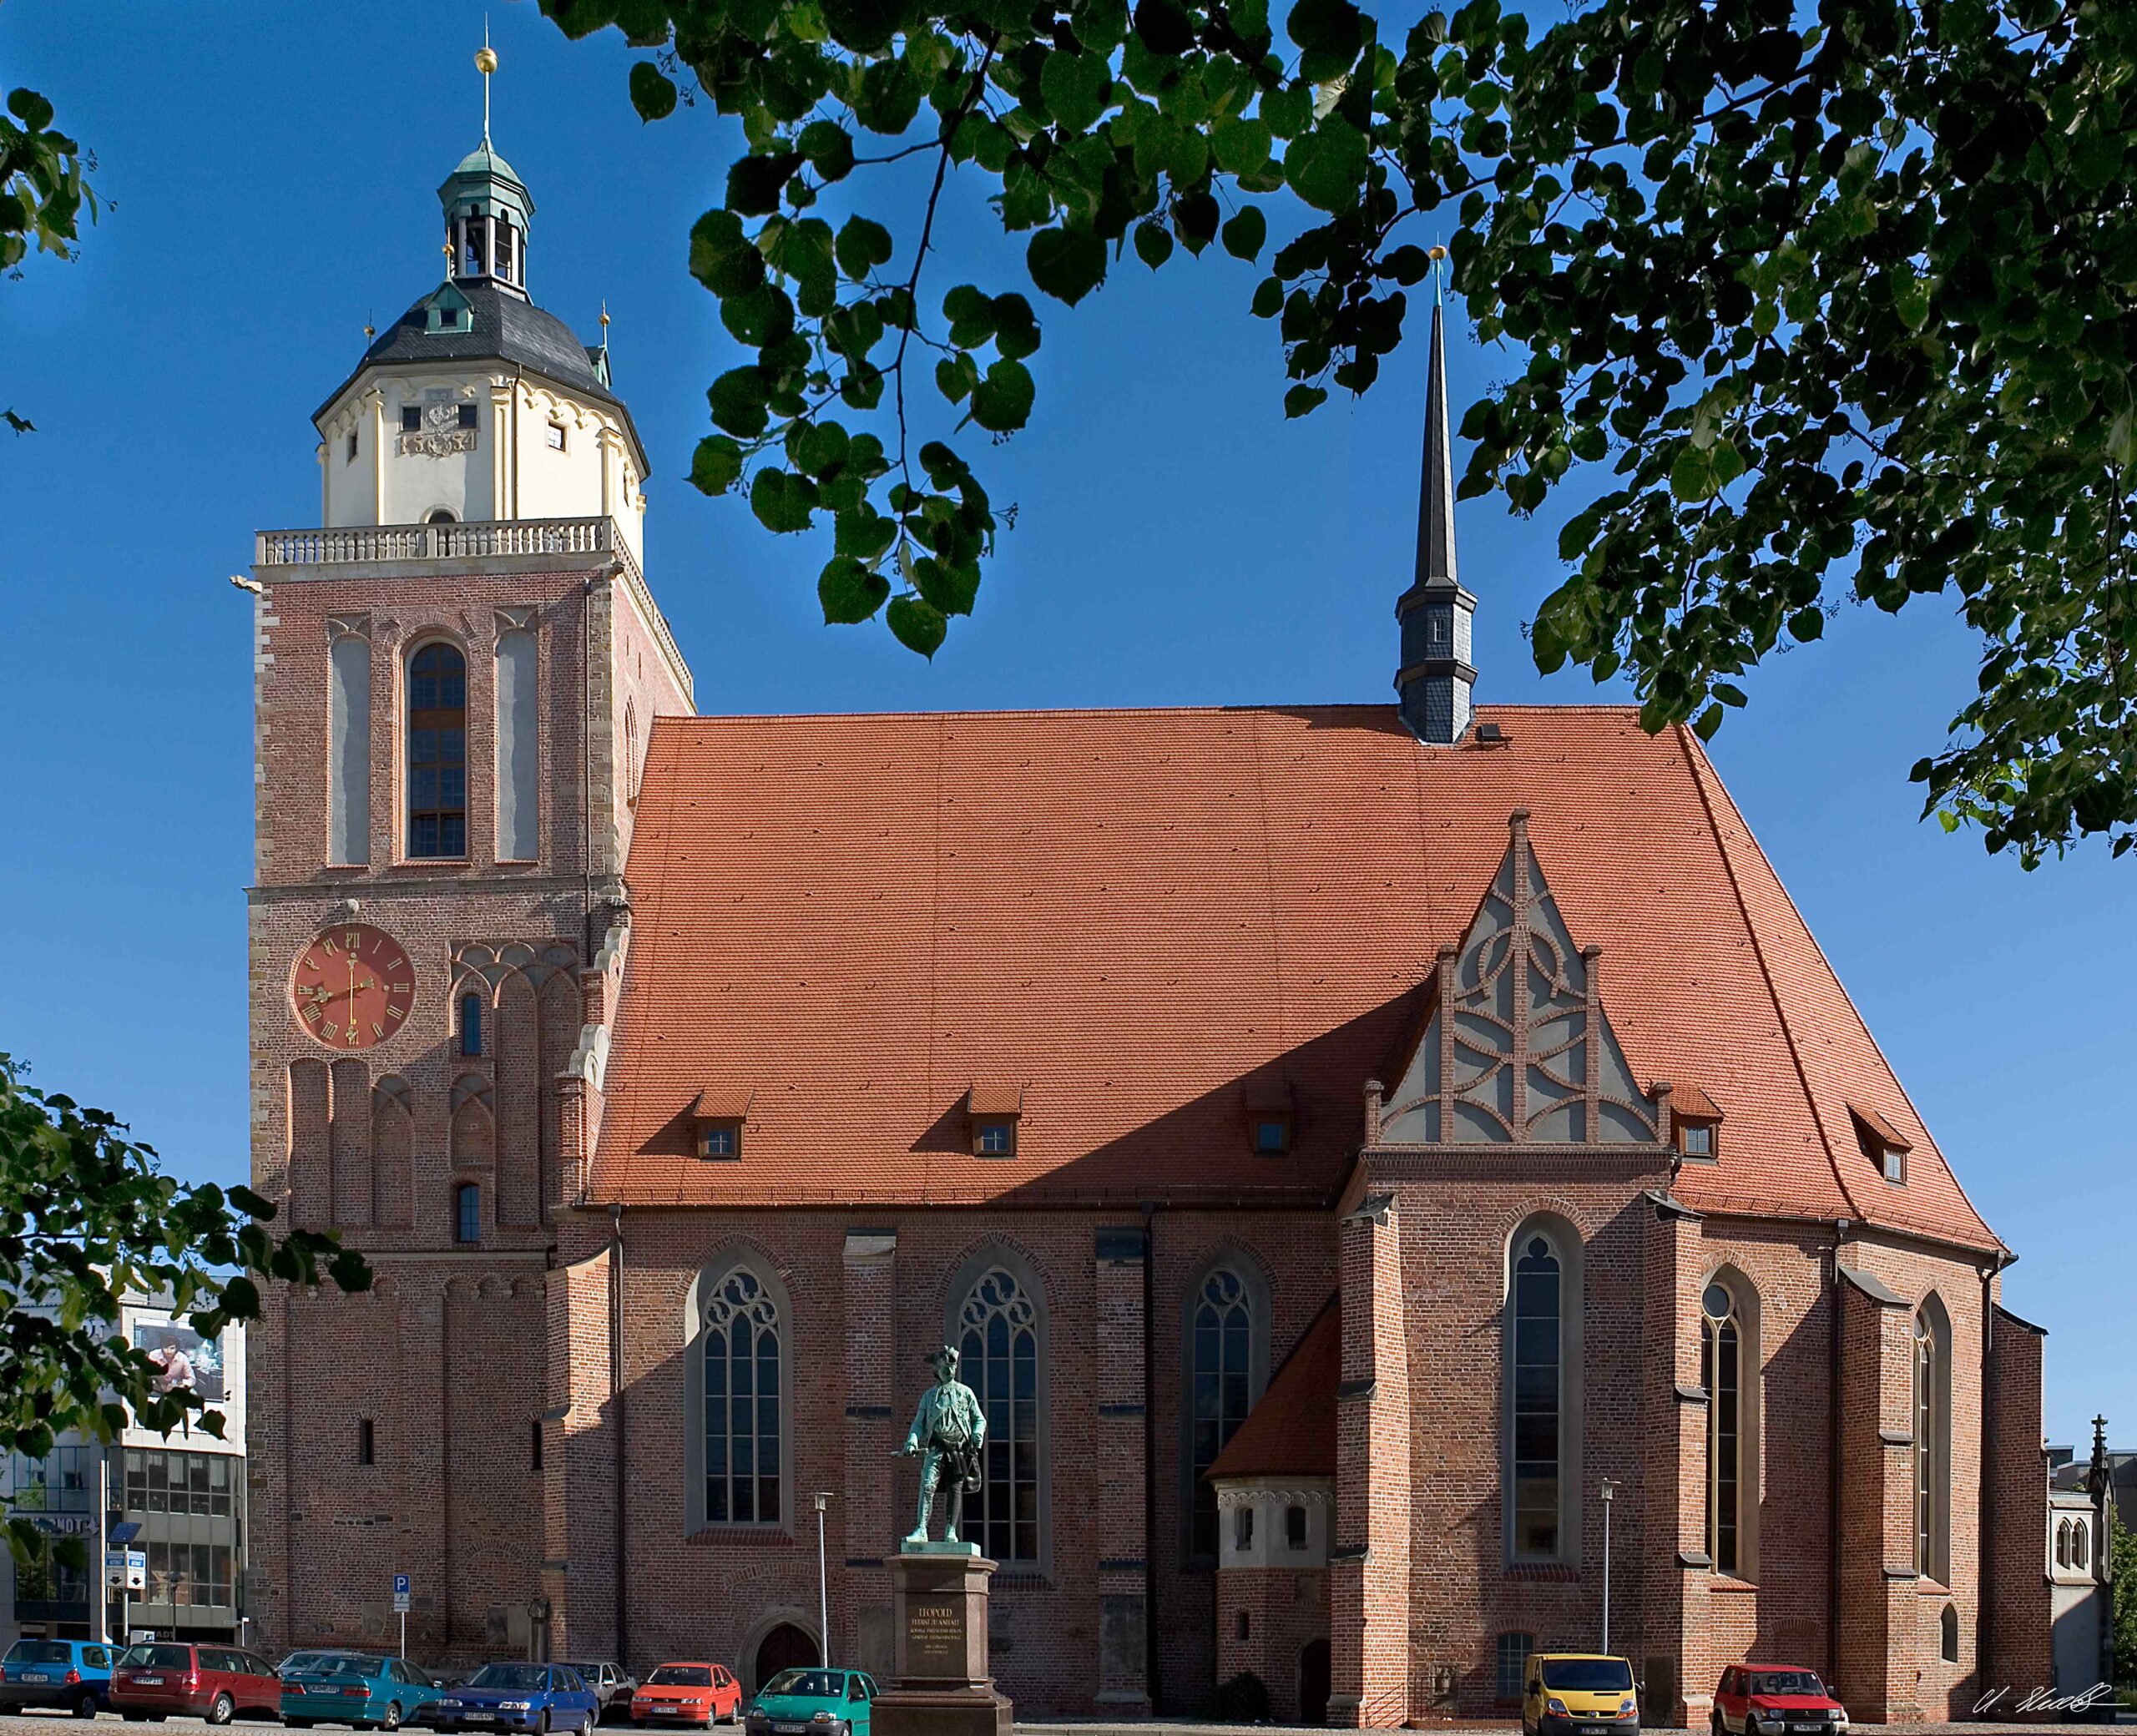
998 1349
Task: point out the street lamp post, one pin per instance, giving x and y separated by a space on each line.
1610 1487
823 1584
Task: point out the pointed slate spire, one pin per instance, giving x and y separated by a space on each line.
1436 678
1436 493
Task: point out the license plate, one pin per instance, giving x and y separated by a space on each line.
148 1681
29 1678
480 1717
789 1730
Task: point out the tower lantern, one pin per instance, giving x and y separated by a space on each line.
488 208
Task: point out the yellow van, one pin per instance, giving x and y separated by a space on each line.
1578 1694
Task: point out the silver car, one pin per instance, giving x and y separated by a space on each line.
610 1686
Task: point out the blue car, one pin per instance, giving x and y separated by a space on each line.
72 1675
539 1697
355 1688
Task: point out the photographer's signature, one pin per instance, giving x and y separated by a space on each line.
2042 1699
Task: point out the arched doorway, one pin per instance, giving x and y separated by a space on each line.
785 1648
1313 1683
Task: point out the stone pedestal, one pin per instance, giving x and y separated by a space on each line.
941 1684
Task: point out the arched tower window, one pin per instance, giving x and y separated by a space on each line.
1723 1373
1541 1374
997 1336
1932 1442
2063 1544
437 752
1221 1381
471 1024
743 1383
467 1213
2081 1544
1948 1634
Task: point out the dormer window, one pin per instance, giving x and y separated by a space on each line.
1696 1119
1271 1117
1881 1143
717 1119
411 419
995 1109
467 417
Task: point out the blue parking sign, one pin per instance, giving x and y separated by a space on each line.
401 1592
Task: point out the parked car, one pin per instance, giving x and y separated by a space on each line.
356 1688
1579 1693
688 1693
216 1683
611 1686
72 1675
820 1702
540 1696
1758 1699
304 1661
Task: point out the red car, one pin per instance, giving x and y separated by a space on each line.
216 1683
1763 1699
688 1693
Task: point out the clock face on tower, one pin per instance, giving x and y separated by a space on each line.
353 986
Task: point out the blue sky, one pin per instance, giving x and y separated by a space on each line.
272 171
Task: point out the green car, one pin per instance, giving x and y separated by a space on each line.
812 1702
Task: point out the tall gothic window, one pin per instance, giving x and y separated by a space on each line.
1536 1403
1932 1442
740 1352
1221 1346
437 752
1721 1373
998 1348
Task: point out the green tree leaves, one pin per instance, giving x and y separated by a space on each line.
1830 311
1067 264
652 92
43 193
86 1219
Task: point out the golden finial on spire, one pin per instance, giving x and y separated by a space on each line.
486 63
371 331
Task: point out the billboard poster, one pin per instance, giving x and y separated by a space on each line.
182 1358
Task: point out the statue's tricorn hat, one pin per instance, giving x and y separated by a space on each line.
939 1352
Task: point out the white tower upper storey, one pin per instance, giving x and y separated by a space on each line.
475 405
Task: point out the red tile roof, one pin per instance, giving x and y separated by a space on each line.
1153 918
1291 1432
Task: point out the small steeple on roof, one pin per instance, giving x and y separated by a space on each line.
1435 679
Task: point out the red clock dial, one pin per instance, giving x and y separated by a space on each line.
353 986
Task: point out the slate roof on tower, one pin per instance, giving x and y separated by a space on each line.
1151 919
505 327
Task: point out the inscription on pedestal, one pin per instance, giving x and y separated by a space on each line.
935 1639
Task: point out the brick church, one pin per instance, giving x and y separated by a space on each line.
1363 1152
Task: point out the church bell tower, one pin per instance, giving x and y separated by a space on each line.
456 672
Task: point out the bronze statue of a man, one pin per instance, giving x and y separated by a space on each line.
949 1433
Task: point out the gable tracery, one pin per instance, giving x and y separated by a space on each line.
1517 1049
